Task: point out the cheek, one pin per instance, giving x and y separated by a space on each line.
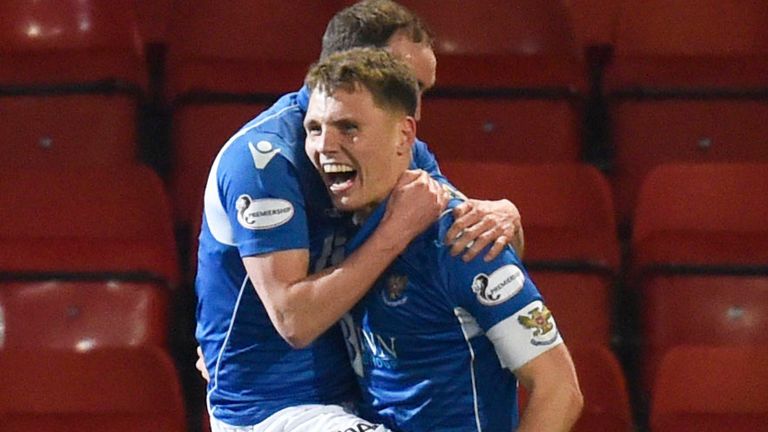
311 150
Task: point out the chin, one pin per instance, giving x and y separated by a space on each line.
344 204
350 204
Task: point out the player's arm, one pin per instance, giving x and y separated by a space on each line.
478 223
554 398
509 308
302 307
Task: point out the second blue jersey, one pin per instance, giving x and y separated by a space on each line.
436 339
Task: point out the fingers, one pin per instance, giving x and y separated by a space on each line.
469 236
464 215
477 226
200 364
476 239
498 246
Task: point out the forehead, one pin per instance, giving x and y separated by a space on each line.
419 56
341 102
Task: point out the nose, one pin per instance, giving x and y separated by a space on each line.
326 142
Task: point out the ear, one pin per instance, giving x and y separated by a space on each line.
407 135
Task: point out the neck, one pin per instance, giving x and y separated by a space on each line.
359 216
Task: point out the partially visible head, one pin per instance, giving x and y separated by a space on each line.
360 124
384 24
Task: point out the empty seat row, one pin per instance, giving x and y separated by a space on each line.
88 275
523 100
89 258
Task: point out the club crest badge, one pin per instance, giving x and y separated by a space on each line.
539 319
393 293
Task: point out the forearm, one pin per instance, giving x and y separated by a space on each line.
307 307
551 410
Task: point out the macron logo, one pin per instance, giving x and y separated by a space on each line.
262 153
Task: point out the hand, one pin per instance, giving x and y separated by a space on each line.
480 223
416 203
200 365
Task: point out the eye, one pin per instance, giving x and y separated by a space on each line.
348 127
312 129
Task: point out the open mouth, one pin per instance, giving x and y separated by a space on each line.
340 177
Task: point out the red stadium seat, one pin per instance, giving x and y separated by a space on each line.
594 21
117 390
699 309
91 262
244 47
702 214
83 315
517 130
572 248
510 78
711 389
113 221
602 382
72 75
687 84
699 253
69 41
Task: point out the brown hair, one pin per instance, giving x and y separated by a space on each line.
390 81
372 23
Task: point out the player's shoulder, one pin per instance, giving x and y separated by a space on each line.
277 133
436 234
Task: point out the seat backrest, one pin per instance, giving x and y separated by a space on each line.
594 21
701 28
702 44
136 389
704 198
535 37
83 315
71 40
249 30
567 209
516 130
711 382
98 220
244 46
498 27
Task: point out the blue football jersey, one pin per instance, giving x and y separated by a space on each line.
435 341
264 195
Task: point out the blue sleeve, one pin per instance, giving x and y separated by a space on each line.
262 195
490 291
501 299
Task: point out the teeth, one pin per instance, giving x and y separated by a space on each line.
336 168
